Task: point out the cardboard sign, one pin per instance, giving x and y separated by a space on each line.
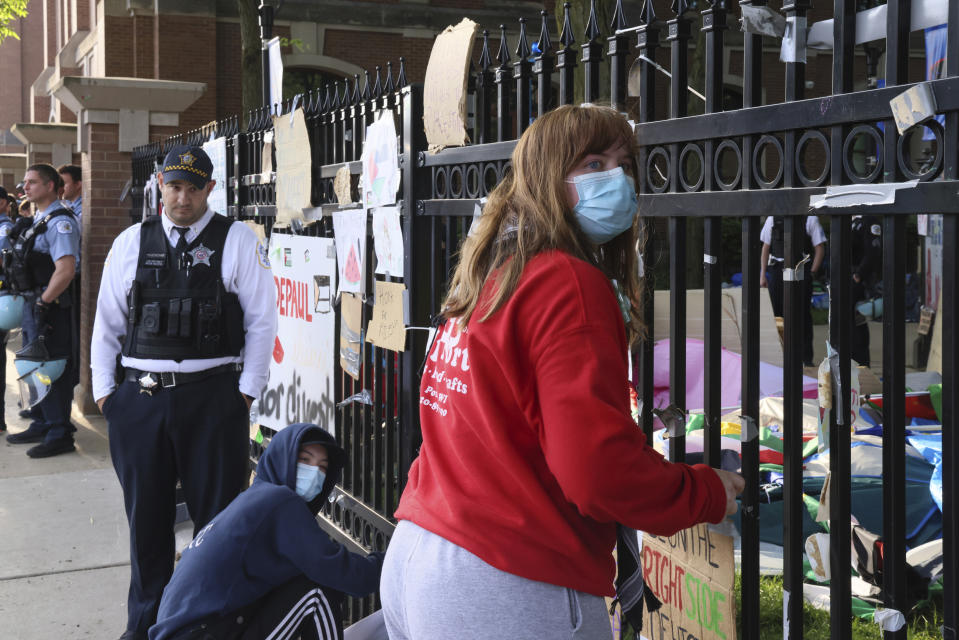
341 186
293 177
444 90
387 328
216 149
692 573
351 334
300 385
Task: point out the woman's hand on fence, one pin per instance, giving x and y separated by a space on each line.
734 485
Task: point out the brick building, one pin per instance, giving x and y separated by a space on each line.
89 80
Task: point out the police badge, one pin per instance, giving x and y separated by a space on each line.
201 255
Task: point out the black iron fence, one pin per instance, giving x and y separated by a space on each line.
751 163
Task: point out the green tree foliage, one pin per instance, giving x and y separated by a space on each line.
11 10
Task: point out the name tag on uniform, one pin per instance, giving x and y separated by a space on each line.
155 260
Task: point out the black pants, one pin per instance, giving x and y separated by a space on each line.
774 281
299 609
197 432
54 410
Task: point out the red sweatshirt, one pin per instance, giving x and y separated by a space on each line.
530 456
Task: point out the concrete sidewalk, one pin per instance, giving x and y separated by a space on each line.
65 564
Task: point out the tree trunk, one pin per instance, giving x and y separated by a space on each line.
251 57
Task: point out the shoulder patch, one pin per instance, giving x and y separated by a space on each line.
876 230
262 256
65 226
5 230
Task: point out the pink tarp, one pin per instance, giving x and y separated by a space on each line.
770 377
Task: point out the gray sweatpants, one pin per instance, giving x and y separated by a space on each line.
432 589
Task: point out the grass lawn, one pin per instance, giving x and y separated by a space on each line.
923 622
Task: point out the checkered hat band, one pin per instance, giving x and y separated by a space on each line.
183 167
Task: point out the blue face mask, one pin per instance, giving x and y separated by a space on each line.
309 481
607 204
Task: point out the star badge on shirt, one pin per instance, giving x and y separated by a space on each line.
201 255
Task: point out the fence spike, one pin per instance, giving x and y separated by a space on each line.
522 49
567 37
648 14
485 59
325 102
592 25
401 80
545 45
503 55
355 97
366 87
377 84
679 7
619 18
345 96
389 78
335 101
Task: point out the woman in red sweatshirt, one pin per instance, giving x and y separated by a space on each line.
530 457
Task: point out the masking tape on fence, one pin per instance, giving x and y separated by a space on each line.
785 614
708 259
855 195
750 430
889 619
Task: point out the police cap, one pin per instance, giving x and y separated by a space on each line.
188 163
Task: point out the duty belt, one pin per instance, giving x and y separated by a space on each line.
151 381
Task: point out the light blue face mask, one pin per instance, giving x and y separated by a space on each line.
607 204
309 481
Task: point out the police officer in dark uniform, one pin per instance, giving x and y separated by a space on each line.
866 258
41 265
773 258
187 301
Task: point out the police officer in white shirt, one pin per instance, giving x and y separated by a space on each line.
187 301
772 236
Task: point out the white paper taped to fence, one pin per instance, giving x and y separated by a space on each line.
300 386
793 47
381 169
388 241
444 90
293 163
349 227
275 56
216 149
854 195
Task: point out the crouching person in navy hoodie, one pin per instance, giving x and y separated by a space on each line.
263 567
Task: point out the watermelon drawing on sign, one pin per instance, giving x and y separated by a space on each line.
352 270
277 350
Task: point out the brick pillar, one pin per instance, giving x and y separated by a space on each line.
105 171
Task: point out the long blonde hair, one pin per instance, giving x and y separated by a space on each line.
528 212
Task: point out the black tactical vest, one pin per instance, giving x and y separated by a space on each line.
26 270
777 248
178 308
